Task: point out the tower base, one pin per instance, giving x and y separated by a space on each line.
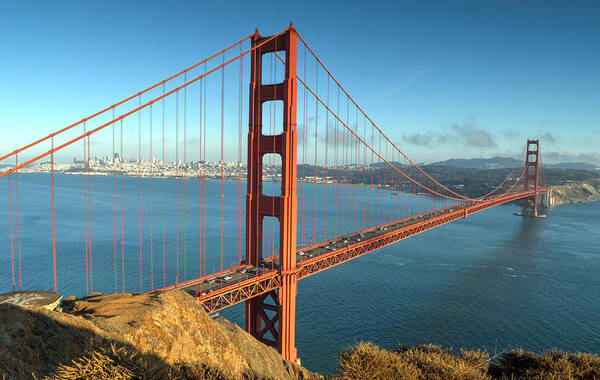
526 214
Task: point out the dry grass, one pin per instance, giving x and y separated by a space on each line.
520 364
367 361
362 361
437 363
124 363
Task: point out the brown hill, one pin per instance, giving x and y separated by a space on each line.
169 336
576 192
163 335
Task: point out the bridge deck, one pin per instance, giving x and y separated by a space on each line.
223 289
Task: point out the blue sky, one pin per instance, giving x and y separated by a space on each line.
443 79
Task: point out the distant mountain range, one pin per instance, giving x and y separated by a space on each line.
507 162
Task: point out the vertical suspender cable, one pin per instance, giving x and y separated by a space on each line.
345 168
420 199
304 141
414 192
315 177
372 166
378 180
350 169
122 228
12 244
385 181
337 171
90 216
397 191
184 178
271 238
200 180
425 195
203 179
239 239
222 136
350 150
85 214
326 163
151 212
429 198
417 194
177 187
114 201
410 187
357 174
273 122
53 221
18 222
403 193
140 186
364 178
392 190
163 190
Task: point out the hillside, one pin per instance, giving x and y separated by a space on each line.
576 192
474 182
479 163
470 182
169 336
156 336
507 162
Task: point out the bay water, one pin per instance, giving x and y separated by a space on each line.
492 281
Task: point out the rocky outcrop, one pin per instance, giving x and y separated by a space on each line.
576 192
170 327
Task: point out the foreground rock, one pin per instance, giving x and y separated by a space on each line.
168 330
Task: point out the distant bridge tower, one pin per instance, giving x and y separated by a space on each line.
271 317
531 177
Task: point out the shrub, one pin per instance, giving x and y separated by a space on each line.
124 363
367 361
554 364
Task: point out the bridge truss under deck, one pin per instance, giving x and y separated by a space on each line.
230 287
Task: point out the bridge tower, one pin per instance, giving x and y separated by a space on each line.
531 177
271 317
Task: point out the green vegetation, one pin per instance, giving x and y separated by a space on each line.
476 182
466 181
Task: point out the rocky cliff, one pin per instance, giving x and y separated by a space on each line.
576 192
165 335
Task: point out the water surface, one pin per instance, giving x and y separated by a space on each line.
491 281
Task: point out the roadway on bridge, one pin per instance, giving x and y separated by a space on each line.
203 287
237 284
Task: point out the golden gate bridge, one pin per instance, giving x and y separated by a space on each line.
321 182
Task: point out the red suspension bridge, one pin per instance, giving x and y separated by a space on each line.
156 182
